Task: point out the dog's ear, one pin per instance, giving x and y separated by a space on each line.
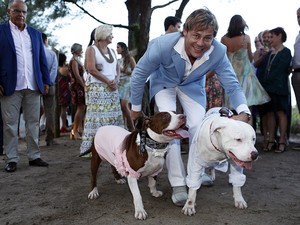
139 123
218 127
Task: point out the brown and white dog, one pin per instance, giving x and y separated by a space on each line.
219 140
137 154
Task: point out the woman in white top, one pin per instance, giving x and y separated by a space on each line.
102 97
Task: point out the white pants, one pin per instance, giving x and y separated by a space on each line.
166 101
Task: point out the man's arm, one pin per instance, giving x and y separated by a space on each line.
144 68
53 67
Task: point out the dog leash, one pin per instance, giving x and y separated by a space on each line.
225 112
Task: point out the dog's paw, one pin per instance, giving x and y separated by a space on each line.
140 214
120 181
188 209
239 201
93 194
157 193
240 204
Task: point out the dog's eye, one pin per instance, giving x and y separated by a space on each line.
239 140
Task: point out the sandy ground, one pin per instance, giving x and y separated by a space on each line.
58 194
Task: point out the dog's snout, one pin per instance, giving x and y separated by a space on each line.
254 155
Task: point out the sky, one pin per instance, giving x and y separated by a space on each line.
258 14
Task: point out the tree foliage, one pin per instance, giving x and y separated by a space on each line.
40 12
43 12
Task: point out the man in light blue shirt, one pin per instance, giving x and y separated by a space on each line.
177 64
49 98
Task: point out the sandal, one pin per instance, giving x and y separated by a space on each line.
265 145
271 146
280 150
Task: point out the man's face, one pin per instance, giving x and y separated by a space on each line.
17 14
198 41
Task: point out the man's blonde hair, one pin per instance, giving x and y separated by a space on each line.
201 19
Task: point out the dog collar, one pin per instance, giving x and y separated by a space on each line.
146 141
155 145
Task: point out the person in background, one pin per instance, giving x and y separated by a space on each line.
103 73
275 69
259 54
259 46
240 55
85 74
49 98
177 64
296 69
172 24
262 48
77 87
266 35
21 47
92 38
64 94
127 64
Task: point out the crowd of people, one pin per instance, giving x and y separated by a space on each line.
107 90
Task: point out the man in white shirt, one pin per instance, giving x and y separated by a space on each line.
24 76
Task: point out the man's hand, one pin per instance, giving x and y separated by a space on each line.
134 115
1 90
242 117
46 89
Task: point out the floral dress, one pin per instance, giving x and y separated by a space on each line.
77 91
253 90
124 85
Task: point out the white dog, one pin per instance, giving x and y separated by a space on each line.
218 140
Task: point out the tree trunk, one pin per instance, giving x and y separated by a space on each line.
139 17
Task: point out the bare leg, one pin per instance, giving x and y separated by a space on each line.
271 126
282 129
95 162
126 114
78 120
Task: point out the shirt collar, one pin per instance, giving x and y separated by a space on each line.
179 47
13 26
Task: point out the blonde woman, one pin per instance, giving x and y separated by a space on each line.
103 102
